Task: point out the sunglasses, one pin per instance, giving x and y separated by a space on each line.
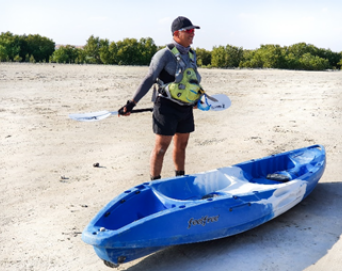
190 31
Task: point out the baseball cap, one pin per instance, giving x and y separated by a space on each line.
182 23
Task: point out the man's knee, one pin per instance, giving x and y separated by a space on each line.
160 151
182 146
161 145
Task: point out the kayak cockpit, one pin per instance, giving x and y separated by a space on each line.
192 187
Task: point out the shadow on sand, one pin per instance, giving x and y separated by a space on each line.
292 241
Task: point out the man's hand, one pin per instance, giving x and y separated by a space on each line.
127 109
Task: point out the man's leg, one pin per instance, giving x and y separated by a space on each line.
157 156
180 141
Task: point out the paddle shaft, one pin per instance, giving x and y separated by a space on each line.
141 110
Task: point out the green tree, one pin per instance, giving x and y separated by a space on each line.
3 53
81 56
128 52
24 50
203 57
113 53
267 56
66 54
92 50
60 55
27 58
41 48
308 57
9 46
234 56
291 61
147 49
218 57
333 57
340 64
299 49
251 59
310 62
105 55
226 57
17 58
32 59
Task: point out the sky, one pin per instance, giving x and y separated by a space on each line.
241 23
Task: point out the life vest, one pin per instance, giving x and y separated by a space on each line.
185 90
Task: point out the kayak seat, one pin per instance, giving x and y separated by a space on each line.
192 187
278 177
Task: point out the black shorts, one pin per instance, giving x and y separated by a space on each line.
170 118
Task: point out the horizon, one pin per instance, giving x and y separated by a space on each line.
245 24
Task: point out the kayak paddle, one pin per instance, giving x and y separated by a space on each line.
218 103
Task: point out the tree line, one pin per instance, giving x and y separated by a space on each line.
126 52
130 51
300 56
23 48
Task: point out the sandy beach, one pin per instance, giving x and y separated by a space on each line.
50 189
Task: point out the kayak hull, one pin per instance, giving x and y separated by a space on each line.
203 206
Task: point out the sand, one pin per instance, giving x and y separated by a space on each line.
50 189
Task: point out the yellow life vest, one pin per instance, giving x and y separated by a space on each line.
185 90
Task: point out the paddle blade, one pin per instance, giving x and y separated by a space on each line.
223 102
94 116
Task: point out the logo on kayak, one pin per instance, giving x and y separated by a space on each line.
202 221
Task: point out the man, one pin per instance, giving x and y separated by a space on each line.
175 69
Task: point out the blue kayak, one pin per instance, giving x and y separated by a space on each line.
204 206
